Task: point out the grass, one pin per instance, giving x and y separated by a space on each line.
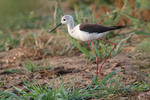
108 86
1 84
144 46
9 40
33 67
102 50
141 86
12 71
25 21
32 20
113 17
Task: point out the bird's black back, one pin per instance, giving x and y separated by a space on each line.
96 28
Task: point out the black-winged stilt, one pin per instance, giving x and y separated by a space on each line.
88 32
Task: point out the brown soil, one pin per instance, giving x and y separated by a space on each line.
70 68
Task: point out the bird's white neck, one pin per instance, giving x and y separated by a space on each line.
70 27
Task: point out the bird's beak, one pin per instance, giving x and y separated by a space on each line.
55 28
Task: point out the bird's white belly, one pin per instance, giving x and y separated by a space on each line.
84 36
80 36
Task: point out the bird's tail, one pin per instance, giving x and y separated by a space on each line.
118 27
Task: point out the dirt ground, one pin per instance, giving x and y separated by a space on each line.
76 68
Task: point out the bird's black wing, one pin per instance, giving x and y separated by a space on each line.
95 28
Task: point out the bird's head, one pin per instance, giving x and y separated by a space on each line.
66 19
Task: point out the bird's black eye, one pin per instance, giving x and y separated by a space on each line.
64 19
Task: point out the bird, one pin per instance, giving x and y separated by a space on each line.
89 32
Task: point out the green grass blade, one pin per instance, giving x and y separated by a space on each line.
142 33
83 50
10 94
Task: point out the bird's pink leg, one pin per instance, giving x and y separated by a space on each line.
105 59
95 56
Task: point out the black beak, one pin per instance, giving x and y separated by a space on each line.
55 28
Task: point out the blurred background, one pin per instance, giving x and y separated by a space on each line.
22 20
27 13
